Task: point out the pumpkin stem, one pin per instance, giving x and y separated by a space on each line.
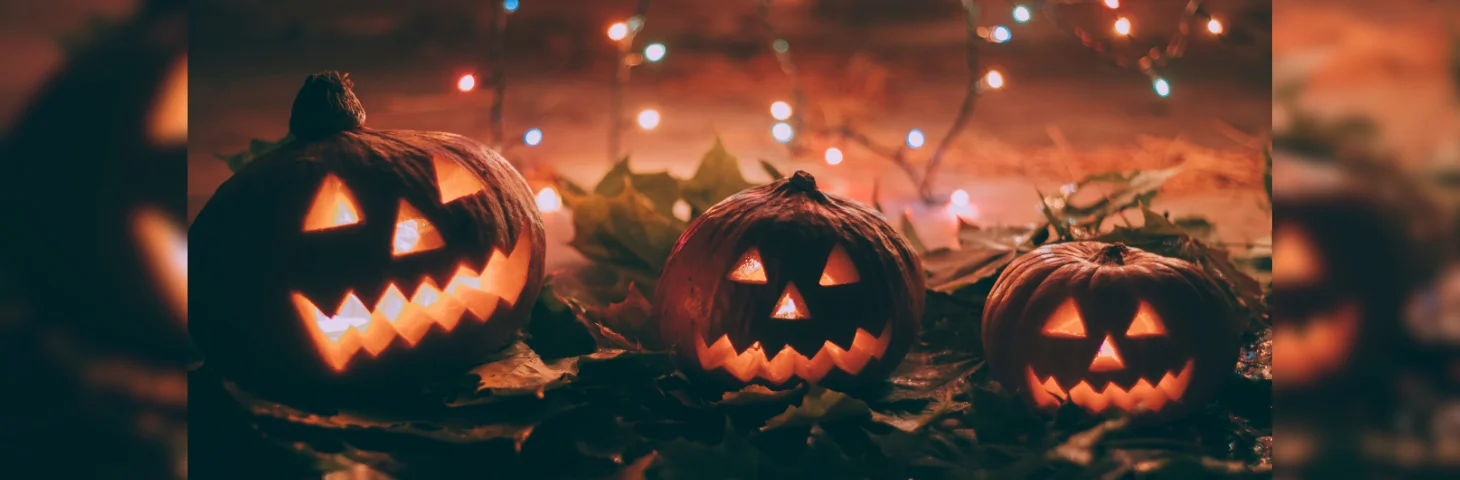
803 181
1113 254
325 105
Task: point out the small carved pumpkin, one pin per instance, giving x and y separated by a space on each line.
353 259
1345 261
1111 329
784 284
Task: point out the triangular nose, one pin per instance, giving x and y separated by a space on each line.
791 306
1107 359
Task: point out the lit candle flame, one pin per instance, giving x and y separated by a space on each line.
548 200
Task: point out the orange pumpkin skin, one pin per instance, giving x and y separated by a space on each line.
784 284
1110 328
353 264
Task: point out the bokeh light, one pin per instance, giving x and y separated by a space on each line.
782 131
548 200
1001 34
648 119
1162 87
618 31
781 110
1122 26
1214 26
510 5
1112 3
833 156
654 52
915 138
532 137
994 79
466 83
1021 14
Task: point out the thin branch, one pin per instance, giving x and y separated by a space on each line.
970 99
1147 64
498 56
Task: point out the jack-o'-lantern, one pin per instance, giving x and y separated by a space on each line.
95 275
1110 328
353 261
783 285
1344 264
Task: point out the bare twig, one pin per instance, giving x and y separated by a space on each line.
1153 60
498 56
621 78
970 99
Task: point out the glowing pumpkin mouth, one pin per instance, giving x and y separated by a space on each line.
778 369
1170 388
355 327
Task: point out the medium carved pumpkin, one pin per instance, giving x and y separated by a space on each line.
1111 329
784 284
352 260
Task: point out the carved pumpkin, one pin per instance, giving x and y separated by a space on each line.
1344 264
784 284
1110 328
94 282
353 259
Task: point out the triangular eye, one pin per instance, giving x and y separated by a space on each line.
749 268
334 206
1066 322
1147 323
413 233
839 269
454 181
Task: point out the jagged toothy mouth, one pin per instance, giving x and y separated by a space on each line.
1170 388
354 326
786 363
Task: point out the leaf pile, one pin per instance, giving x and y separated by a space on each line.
588 394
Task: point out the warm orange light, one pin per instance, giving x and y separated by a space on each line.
1214 26
994 79
648 119
454 181
780 367
618 31
1066 321
749 268
1112 3
839 269
334 206
833 156
1122 26
413 233
791 306
168 124
1304 353
1146 323
466 83
780 110
1296 259
355 327
548 200
1170 388
165 246
1107 359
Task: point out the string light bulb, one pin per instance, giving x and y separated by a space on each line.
833 156
1021 14
532 138
548 200
654 52
1163 88
618 31
1122 26
994 79
1113 4
780 110
915 138
648 119
1214 26
1001 34
782 131
466 83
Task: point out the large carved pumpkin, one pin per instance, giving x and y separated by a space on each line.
93 283
784 284
1110 328
352 262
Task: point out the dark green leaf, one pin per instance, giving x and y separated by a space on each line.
623 230
661 189
717 178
